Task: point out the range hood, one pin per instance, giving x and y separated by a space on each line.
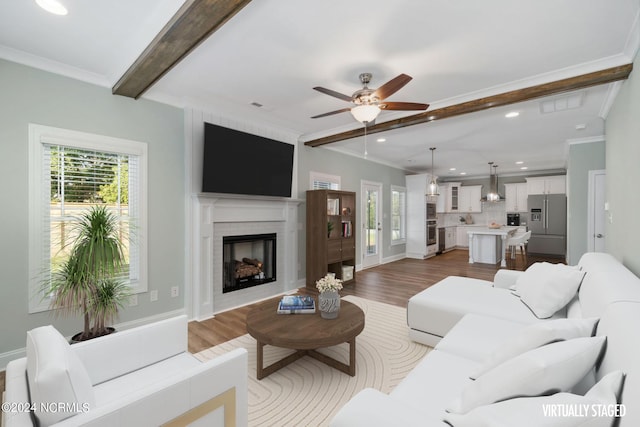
493 195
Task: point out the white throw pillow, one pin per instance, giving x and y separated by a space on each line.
558 410
536 335
546 288
56 375
544 370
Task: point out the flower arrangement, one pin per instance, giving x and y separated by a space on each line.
329 283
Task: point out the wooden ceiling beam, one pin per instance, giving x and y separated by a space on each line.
191 25
608 75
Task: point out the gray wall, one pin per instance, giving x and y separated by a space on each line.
351 170
582 159
623 174
28 96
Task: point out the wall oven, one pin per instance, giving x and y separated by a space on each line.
431 224
431 211
431 232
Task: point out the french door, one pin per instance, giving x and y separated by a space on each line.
371 193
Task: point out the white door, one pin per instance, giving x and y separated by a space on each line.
596 215
371 224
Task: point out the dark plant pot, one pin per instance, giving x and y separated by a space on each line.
76 338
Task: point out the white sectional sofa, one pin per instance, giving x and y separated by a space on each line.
471 322
138 377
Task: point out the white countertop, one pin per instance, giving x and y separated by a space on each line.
504 230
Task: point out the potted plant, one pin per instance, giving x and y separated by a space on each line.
329 298
87 282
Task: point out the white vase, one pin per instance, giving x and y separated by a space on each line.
329 304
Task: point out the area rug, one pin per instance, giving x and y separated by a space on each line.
308 392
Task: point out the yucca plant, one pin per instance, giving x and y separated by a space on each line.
87 282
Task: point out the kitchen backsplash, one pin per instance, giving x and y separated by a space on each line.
490 212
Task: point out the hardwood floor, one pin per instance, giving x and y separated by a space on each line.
392 283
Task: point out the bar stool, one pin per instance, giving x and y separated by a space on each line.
519 241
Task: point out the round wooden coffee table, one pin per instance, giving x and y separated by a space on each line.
304 333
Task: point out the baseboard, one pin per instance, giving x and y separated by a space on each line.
394 258
8 356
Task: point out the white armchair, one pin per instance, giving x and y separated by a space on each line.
138 377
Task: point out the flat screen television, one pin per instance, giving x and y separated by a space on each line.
236 162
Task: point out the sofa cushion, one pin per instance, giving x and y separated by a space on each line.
438 379
548 410
550 368
536 335
56 375
477 336
546 288
438 308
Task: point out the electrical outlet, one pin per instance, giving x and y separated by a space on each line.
175 291
133 300
153 295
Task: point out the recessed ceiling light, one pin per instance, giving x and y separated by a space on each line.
52 6
512 114
381 139
524 168
463 173
519 162
452 169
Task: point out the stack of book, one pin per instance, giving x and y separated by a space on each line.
297 304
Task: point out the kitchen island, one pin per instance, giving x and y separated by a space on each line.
488 245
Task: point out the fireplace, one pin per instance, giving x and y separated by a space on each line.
248 260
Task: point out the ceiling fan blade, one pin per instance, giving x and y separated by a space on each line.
403 106
392 86
333 93
331 113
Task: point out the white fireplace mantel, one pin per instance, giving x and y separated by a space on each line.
217 215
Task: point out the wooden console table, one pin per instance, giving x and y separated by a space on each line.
304 333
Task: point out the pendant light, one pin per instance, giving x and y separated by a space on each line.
492 195
432 189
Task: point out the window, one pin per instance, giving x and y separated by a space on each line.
323 181
398 215
69 173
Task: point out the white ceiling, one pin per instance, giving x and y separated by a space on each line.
274 52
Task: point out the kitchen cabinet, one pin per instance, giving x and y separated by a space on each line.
417 231
516 197
547 185
453 197
450 240
462 239
469 199
441 202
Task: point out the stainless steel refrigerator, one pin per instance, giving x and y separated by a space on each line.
548 224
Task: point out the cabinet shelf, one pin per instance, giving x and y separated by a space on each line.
334 251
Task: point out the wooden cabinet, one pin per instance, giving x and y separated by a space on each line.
331 235
469 199
516 197
547 185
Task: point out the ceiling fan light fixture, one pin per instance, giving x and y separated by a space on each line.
365 113
52 6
